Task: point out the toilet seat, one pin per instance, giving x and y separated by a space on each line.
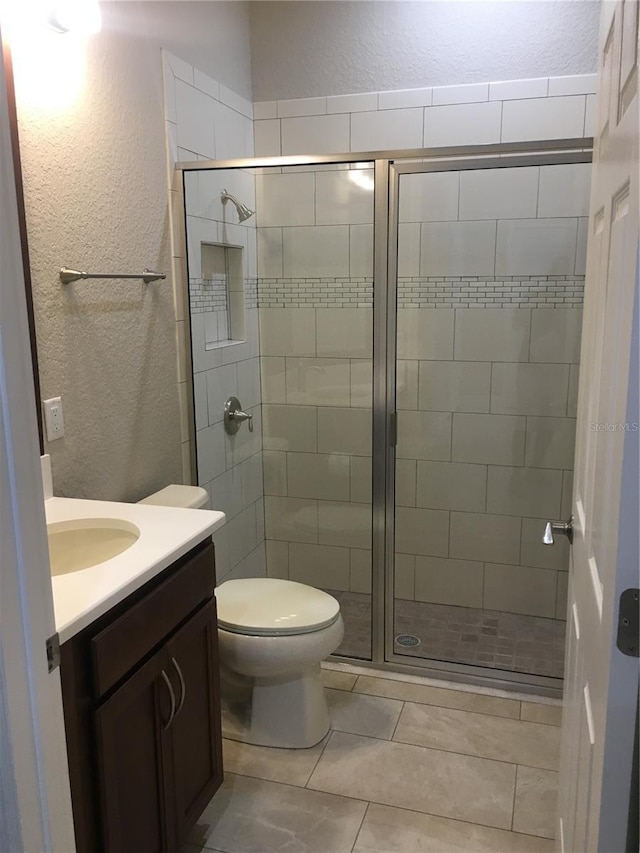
269 607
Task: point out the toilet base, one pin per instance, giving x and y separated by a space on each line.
278 711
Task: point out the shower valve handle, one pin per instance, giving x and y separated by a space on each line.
234 416
241 416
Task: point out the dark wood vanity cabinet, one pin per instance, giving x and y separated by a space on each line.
142 713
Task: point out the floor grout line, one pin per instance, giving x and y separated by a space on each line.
395 728
364 817
513 802
328 737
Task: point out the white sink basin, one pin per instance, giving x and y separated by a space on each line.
85 542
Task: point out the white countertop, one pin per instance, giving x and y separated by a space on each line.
166 534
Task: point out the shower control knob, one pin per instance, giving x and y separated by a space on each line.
234 417
563 527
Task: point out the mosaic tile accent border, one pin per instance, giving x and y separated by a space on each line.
210 295
206 295
250 293
315 292
562 291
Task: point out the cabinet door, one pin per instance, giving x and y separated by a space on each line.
134 755
195 730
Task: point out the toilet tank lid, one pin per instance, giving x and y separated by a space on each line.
189 497
272 606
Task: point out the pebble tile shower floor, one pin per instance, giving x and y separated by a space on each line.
406 768
462 634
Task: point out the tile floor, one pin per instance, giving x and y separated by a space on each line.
407 768
462 634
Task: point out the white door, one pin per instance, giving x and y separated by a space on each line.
35 804
601 686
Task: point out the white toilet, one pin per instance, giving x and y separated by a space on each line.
272 635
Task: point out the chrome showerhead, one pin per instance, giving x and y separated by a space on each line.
244 212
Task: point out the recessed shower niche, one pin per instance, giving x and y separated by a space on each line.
219 294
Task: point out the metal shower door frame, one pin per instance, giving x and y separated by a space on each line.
388 168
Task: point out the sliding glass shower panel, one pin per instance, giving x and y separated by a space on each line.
315 295
491 265
281 316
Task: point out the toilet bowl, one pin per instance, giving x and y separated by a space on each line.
272 635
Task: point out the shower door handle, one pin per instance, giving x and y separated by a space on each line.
563 527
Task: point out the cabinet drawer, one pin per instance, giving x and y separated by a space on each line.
127 640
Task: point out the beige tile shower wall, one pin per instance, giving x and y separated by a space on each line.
317 444
484 458
485 452
488 347
205 120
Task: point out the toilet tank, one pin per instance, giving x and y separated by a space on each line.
189 497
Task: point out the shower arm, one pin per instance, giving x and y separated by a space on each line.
226 196
243 211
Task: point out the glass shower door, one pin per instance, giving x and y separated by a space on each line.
315 293
281 317
490 274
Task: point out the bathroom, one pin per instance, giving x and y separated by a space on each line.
324 311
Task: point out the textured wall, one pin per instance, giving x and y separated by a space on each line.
96 196
332 48
212 36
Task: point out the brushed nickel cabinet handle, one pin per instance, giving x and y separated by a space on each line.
172 695
183 688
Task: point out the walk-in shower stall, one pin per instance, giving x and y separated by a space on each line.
404 329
